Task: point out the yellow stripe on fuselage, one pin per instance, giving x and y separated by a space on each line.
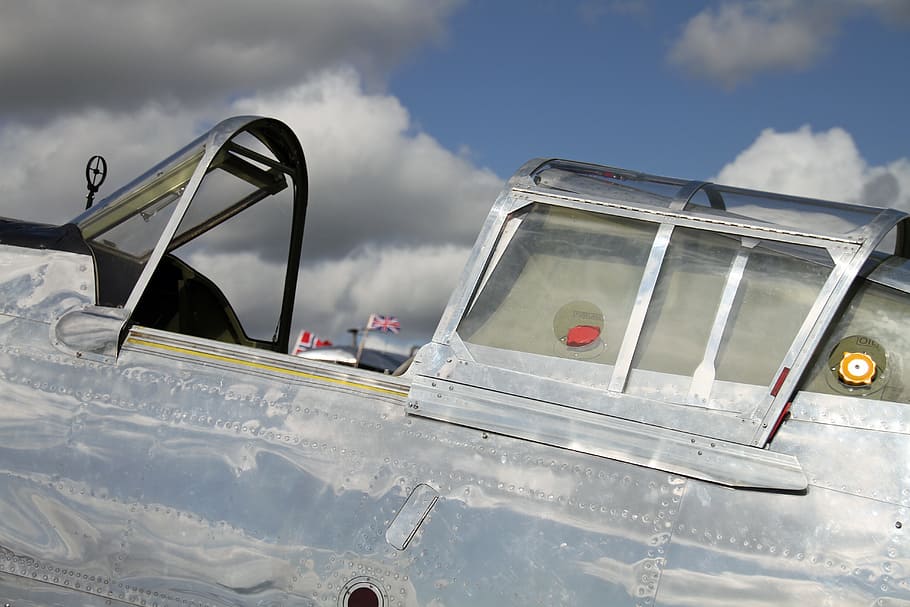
264 367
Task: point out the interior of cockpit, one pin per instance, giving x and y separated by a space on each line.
207 243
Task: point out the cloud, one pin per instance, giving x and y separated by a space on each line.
373 179
392 213
391 217
412 283
731 44
43 165
824 165
80 54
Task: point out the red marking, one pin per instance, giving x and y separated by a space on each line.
780 381
779 421
582 335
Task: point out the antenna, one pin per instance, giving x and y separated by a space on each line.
95 172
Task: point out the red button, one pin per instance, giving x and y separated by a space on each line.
582 335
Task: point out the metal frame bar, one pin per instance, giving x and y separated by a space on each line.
703 377
693 219
640 309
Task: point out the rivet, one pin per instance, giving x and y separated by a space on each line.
898 524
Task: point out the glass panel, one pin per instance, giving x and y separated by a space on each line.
146 196
224 270
779 286
725 312
565 285
874 325
685 300
138 234
246 255
607 183
799 214
124 228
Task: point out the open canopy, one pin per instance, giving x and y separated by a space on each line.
147 236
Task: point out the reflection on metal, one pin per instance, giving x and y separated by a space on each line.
42 285
662 449
412 514
149 467
260 362
91 332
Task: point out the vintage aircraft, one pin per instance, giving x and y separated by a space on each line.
644 391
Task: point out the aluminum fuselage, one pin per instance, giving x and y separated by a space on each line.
181 471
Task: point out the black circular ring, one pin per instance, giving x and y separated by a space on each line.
95 171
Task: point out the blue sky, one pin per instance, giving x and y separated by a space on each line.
519 79
413 113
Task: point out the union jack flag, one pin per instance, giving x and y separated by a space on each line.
386 324
308 341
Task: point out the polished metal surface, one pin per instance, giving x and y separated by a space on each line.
157 469
412 514
662 449
209 480
41 285
90 332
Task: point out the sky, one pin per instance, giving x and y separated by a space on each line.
413 113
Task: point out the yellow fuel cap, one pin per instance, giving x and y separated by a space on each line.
856 369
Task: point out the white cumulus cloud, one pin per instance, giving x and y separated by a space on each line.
737 40
824 164
391 216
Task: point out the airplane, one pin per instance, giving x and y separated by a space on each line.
370 358
643 391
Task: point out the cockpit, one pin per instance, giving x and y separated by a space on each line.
649 304
177 245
